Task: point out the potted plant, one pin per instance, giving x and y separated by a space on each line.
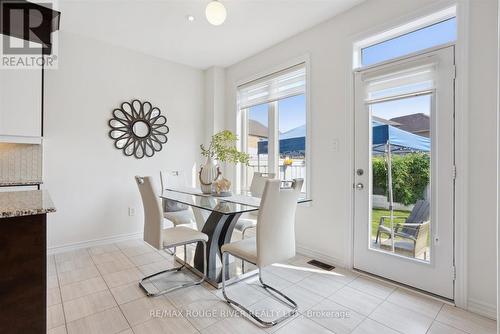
222 148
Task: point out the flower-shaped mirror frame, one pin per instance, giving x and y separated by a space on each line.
138 128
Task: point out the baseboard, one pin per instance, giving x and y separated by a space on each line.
301 249
485 309
93 243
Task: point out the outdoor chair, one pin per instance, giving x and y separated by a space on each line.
410 233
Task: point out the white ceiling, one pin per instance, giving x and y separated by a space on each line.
160 28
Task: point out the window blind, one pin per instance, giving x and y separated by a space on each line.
408 81
280 85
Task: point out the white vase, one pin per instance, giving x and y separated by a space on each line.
209 173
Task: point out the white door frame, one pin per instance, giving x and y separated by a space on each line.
461 136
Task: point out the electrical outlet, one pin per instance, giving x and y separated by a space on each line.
335 145
131 212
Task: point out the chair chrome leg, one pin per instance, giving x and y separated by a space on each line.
289 302
184 285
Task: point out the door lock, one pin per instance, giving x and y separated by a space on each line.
360 186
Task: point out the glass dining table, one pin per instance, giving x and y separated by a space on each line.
216 217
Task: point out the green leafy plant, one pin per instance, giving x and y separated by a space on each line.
223 148
410 176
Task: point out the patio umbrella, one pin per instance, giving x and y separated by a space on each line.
388 139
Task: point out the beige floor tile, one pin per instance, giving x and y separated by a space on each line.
146 308
57 330
156 267
53 296
368 326
83 288
190 295
130 243
127 331
119 264
138 250
243 293
146 258
51 265
78 275
78 254
372 287
337 318
127 293
401 319
271 280
107 322
103 249
176 325
304 298
321 285
52 281
439 328
269 309
108 257
205 313
84 306
302 325
233 325
55 316
123 277
289 272
74 264
418 303
356 300
466 321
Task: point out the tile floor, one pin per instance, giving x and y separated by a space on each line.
95 290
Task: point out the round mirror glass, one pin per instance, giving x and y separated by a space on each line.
140 129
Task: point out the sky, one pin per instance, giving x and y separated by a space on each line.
292 110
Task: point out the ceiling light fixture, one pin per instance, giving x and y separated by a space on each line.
216 13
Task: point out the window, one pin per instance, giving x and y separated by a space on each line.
436 29
274 128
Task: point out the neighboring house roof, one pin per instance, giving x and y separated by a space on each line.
384 121
415 123
257 129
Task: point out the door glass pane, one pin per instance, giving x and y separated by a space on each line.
292 138
433 35
258 132
401 172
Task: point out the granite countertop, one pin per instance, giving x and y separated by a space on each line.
20 183
25 203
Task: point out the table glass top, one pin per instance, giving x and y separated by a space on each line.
236 203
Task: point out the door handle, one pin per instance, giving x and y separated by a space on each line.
360 186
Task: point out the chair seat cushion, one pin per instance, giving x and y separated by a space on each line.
244 223
184 217
181 235
245 249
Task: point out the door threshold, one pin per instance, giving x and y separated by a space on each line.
406 287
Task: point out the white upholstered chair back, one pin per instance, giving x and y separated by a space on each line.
259 182
276 227
153 214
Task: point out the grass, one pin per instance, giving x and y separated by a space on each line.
378 213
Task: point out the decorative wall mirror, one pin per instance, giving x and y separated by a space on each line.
138 129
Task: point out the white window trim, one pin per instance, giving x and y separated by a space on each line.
461 132
241 117
399 30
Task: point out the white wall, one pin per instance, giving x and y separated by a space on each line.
323 228
91 182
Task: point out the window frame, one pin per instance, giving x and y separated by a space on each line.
401 30
242 121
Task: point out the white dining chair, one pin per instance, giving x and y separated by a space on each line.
161 238
256 190
177 213
274 242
